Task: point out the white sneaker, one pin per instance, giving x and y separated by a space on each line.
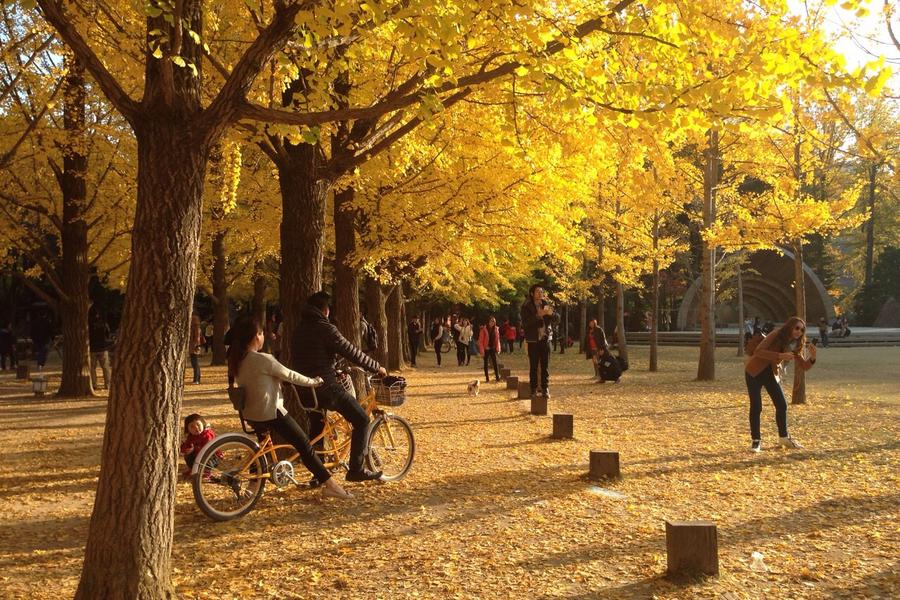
789 442
756 446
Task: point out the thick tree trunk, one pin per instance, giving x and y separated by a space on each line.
75 275
798 391
394 309
259 298
303 196
741 317
346 277
620 322
706 368
377 317
220 299
131 531
654 320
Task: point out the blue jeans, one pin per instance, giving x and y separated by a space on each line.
195 365
766 379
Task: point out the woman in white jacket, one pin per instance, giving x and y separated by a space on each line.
261 376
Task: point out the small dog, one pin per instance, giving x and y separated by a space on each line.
473 387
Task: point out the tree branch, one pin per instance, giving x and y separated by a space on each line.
54 14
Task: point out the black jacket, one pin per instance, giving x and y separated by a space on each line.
316 343
531 322
98 336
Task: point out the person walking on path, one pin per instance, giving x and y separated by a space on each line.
195 344
261 376
314 347
40 338
7 346
823 331
463 337
437 337
414 333
763 370
99 342
537 320
489 345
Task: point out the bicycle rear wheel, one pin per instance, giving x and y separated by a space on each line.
228 481
392 447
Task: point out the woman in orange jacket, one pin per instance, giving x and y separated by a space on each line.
763 371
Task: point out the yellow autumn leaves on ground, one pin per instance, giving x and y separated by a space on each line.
493 508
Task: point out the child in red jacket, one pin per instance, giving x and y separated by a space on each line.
197 433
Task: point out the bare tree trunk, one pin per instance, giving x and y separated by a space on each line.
404 337
132 524
601 305
706 368
740 301
377 317
395 335
870 225
346 278
654 321
620 322
259 298
303 198
220 299
798 391
75 275
583 324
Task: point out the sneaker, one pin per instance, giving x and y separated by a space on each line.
363 475
756 446
789 442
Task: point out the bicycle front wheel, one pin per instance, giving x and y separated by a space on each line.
391 447
229 481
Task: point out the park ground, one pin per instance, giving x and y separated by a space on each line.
493 508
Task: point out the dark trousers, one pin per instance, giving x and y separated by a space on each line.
413 348
333 397
766 379
195 365
490 355
461 353
437 350
287 428
538 365
40 353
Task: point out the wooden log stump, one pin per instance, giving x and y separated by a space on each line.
23 372
505 373
539 405
692 547
563 426
501 366
604 464
524 390
512 382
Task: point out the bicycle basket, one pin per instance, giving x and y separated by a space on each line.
238 397
390 391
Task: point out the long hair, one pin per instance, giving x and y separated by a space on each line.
784 335
242 333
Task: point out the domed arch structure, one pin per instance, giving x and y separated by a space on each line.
768 293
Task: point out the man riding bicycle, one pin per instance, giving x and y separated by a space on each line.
314 346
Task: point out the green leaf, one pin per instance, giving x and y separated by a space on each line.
152 11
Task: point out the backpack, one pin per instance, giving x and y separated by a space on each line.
752 343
